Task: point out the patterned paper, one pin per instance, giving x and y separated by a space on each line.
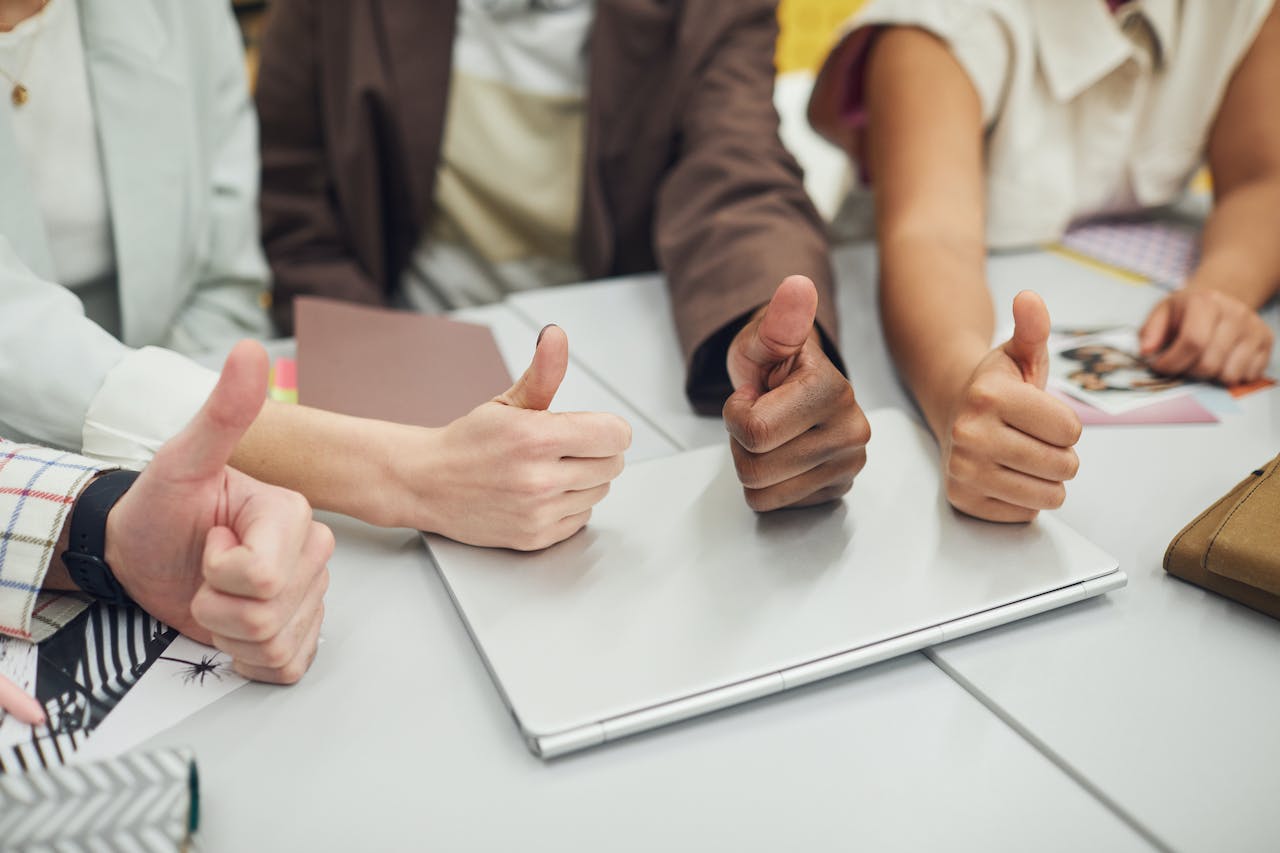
140 801
1163 252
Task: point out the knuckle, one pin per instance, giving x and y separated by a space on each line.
836 490
529 539
966 431
298 504
258 624
1057 497
533 482
529 439
624 434
959 468
323 581
324 539
960 497
756 432
758 499
859 429
749 470
1072 466
292 672
617 465
262 581
276 654
983 394
857 463
1196 338
1071 427
201 606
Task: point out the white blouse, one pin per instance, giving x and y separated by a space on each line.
58 141
1087 112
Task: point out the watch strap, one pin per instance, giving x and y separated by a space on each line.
85 557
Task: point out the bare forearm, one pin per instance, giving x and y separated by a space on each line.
937 317
929 212
339 463
1241 255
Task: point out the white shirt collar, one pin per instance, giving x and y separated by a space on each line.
1080 41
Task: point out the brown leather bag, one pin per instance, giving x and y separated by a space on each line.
1233 547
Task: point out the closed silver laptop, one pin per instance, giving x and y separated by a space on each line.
678 599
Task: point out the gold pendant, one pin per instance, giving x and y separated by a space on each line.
19 95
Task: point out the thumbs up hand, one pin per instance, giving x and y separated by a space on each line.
216 554
797 434
512 474
1009 447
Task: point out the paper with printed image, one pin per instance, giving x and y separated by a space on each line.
1105 370
86 677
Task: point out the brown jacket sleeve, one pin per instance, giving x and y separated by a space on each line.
301 231
733 218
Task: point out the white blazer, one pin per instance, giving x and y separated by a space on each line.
179 145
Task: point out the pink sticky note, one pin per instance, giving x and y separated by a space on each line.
1180 410
286 374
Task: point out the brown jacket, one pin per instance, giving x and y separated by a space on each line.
684 168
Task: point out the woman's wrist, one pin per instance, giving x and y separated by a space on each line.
399 476
945 378
1233 276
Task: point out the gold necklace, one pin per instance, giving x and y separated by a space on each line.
19 95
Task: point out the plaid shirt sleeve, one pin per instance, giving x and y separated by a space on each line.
38 488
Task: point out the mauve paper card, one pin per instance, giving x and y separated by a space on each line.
397 366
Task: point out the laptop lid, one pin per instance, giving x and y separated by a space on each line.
678 599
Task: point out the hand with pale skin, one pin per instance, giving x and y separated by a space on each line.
1207 334
513 474
223 558
796 432
1009 448
23 707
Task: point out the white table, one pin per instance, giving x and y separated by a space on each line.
398 740
1160 699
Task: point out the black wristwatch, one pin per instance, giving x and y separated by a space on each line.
85 557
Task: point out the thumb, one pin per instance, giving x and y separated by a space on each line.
537 387
1154 332
771 341
1029 346
785 324
203 448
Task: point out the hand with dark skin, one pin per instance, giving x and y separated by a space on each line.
797 434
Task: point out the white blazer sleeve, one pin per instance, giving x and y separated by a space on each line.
65 381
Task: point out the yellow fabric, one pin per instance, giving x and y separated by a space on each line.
807 30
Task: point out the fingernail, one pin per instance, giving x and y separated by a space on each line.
541 333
